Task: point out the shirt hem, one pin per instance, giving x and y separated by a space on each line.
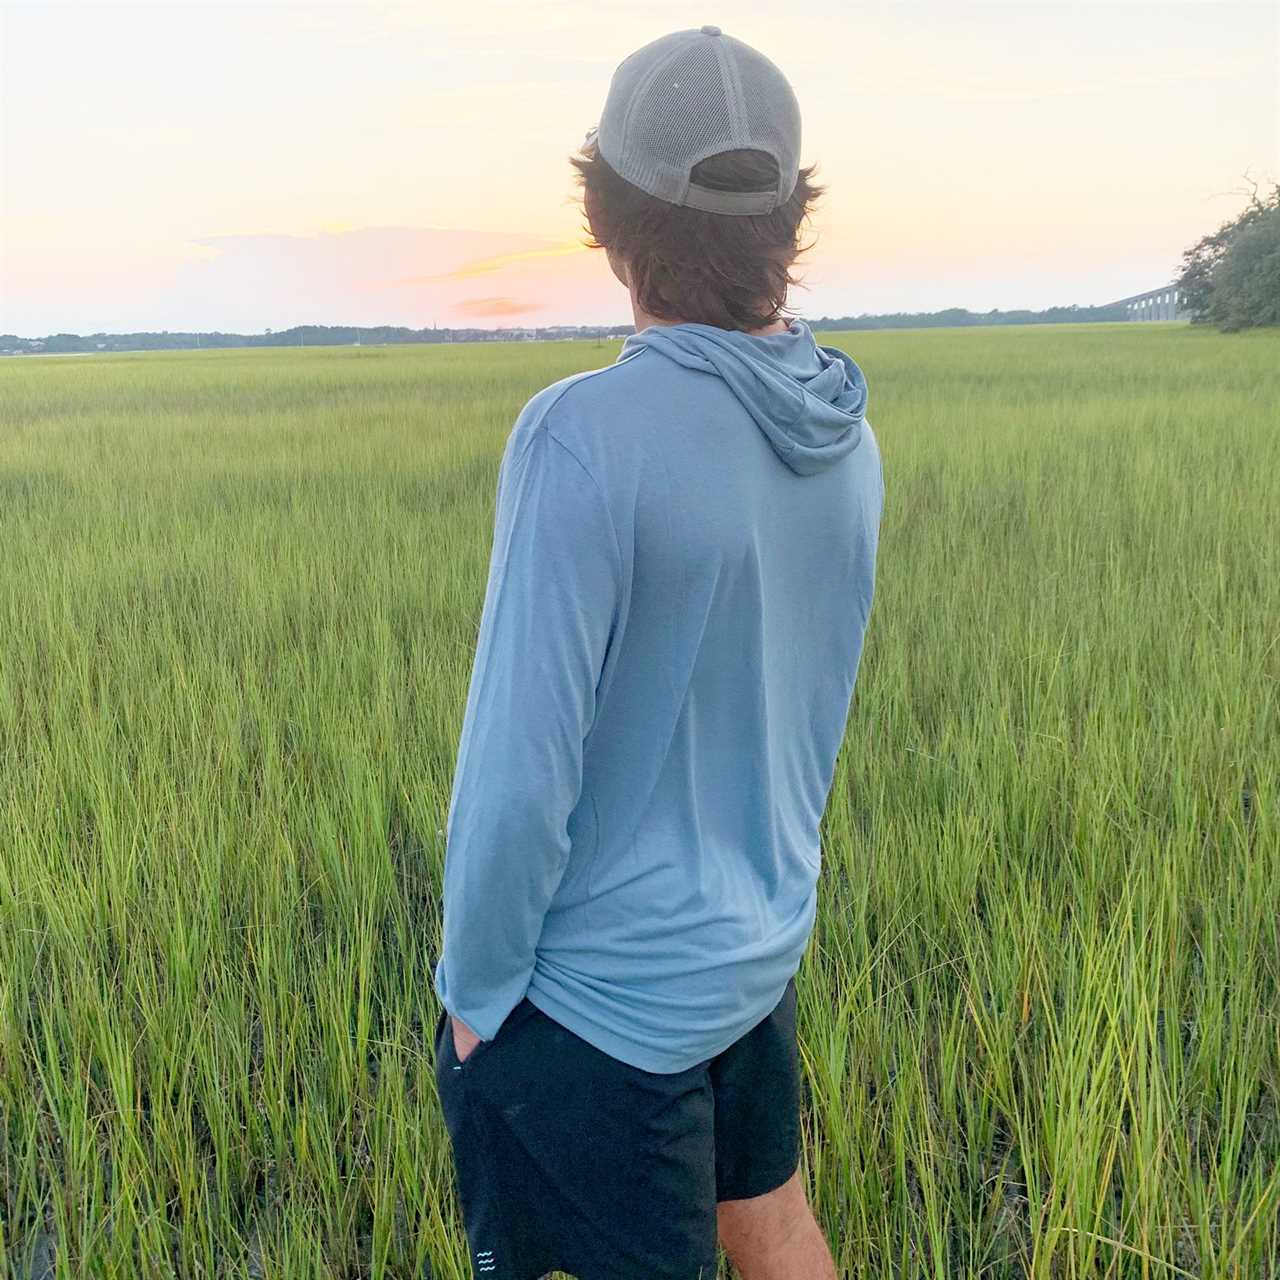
598 1037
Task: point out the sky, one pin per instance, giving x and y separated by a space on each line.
242 166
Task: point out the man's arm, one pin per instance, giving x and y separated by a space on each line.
550 605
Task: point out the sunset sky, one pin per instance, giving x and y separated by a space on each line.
229 166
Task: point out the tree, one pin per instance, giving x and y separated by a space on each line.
1231 277
1246 290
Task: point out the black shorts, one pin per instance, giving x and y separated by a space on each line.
568 1159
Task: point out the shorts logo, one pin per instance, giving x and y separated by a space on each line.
484 1260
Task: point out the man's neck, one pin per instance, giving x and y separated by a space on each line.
643 320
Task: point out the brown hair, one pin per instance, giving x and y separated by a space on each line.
727 270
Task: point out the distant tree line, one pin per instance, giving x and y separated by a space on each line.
958 317
1231 278
312 335
306 335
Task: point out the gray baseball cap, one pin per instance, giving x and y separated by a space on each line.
690 95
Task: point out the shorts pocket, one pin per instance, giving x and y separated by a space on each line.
480 1050
447 1053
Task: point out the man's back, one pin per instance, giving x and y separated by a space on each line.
737 486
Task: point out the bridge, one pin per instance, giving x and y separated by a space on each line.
1165 303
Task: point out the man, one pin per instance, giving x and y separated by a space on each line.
681 576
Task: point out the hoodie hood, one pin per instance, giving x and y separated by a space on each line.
810 401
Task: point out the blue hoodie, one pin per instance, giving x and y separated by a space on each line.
681 575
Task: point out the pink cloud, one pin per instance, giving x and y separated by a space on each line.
496 307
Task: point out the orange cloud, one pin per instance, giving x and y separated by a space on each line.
484 266
495 307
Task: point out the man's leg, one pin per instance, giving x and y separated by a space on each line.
775 1236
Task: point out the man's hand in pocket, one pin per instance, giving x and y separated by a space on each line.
464 1039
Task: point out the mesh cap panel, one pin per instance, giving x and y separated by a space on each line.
691 95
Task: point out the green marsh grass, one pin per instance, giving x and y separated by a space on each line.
1040 1014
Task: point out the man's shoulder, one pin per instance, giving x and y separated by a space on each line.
575 408
588 387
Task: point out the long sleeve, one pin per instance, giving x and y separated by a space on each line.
550 607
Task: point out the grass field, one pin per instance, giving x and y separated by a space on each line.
1040 1015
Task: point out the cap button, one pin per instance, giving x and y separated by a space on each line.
710 30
